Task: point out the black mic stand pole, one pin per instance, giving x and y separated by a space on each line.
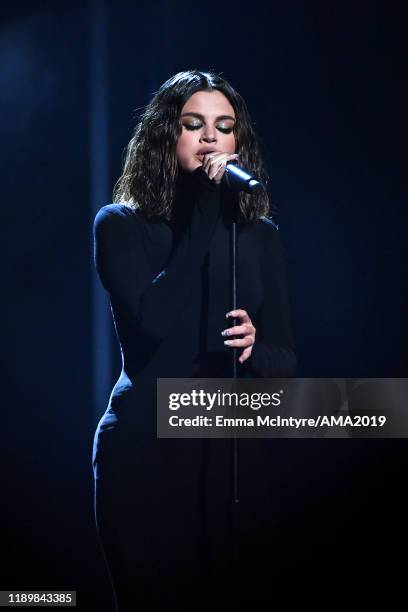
237 180
235 493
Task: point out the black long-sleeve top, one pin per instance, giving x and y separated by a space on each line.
170 289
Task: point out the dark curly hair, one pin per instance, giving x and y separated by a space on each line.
148 180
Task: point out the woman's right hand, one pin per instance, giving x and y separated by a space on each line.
214 164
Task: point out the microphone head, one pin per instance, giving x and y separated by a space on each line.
254 187
237 178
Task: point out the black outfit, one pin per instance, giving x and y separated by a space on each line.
163 506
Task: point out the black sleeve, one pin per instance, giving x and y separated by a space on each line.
121 263
273 353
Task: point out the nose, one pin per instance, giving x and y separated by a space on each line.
209 134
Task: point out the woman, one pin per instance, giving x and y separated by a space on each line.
162 251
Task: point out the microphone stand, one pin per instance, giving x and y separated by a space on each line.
237 180
235 465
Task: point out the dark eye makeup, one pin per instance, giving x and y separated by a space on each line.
197 126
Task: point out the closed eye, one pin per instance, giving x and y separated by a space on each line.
224 130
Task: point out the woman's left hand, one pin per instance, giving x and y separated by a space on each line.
246 329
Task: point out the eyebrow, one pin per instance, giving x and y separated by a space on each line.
202 116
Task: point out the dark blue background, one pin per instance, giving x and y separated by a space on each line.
324 83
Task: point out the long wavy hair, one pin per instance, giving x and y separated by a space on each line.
148 180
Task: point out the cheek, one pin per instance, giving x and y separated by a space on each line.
183 146
229 143
185 149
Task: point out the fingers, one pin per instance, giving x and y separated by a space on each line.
214 164
220 173
247 341
246 329
245 354
242 314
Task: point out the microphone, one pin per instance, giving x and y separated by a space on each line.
240 180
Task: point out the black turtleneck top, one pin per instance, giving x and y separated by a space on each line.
169 284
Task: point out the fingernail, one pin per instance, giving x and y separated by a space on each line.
227 341
225 332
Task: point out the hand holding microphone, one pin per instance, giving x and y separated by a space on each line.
219 165
214 164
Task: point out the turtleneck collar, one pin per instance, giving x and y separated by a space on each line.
188 186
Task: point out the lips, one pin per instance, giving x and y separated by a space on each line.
204 151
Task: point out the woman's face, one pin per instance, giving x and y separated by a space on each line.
207 120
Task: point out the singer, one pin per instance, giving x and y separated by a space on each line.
162 252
